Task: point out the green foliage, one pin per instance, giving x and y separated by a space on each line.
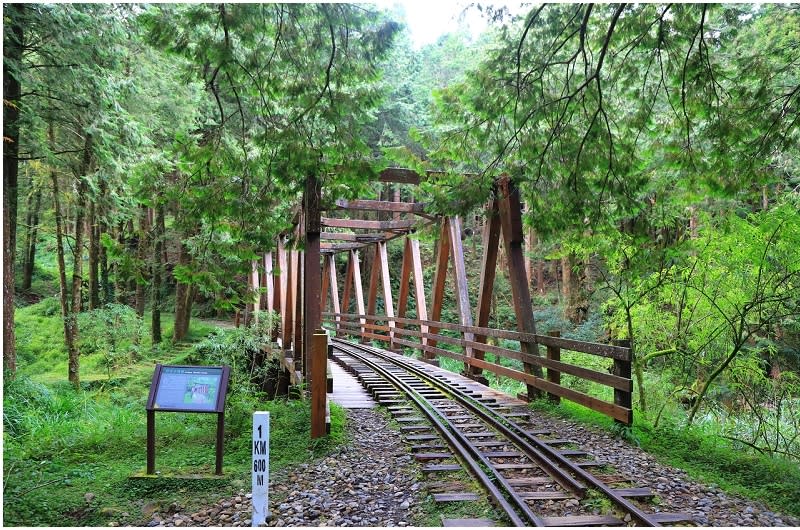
600 112
240 349
115 331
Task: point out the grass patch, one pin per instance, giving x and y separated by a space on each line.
61 444
705 457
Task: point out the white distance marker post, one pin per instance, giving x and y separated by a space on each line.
260 467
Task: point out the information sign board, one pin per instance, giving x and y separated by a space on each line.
188 389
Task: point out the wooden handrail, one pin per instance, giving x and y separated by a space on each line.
592 348
367 327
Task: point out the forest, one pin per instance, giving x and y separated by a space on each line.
151 152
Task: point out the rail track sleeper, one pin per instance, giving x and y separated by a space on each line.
515 466
634 492
455 497
503 454
583 520
490 443
432 456
529 481
421 437
460 417
592 463
545 495
467 523
433 468
572 452
399 408
559 441
427 447
415 428
482 434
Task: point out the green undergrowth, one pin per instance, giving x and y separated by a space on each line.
705 457
70 457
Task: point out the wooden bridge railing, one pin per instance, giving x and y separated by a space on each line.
397 331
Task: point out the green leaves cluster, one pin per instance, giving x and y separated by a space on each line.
596 109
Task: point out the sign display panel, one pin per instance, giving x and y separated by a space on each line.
188 389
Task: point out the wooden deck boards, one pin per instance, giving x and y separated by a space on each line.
347 391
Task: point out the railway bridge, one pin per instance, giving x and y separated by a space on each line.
307 296
454 421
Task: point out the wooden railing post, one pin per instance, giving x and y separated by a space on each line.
622 368
317 367
554 354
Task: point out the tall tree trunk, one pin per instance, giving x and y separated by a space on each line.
120 287
158 269
94 256
30 241
131 242
141 255
183 294
106 288
12 89
577 305
70 323
540 276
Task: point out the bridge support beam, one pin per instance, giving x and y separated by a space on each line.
268 284
387 290
412 265
462 292
491 245
510 210
352 282
329 282
312 272
255 284
437 297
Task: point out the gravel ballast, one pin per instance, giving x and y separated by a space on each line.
373 481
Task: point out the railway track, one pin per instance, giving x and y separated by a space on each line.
533 478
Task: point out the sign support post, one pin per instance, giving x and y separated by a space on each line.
151 442
260 468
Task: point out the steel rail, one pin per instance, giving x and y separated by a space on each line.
552 461
461 446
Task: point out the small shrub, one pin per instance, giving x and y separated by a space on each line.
115 331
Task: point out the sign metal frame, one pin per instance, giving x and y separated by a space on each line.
218 409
